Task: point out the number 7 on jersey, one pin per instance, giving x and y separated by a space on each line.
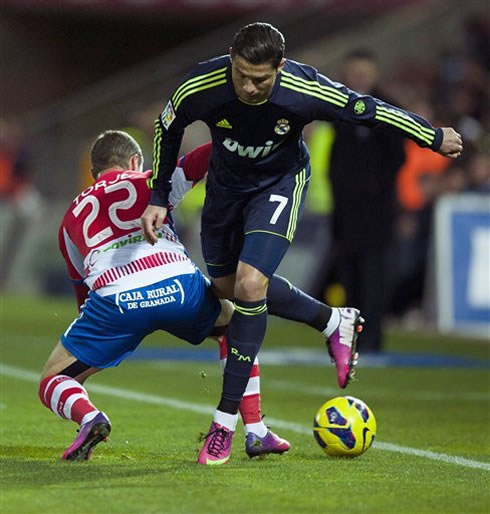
282 200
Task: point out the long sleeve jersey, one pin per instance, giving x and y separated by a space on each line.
255 145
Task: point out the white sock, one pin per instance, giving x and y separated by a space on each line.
256 428
226 420
89 417
333 322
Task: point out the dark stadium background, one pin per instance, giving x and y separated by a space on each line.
71 68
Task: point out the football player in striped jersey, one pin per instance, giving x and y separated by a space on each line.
126 289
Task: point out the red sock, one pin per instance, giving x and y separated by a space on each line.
66 397
250 409
250 404
223 349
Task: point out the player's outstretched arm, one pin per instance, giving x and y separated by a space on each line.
452 143
151 220
337 102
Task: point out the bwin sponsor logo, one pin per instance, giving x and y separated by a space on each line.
252 152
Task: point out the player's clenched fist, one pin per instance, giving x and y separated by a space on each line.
452 144
151 220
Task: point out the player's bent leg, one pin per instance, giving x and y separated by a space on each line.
61 391
338 325
250 283
268 233
260 440
61 359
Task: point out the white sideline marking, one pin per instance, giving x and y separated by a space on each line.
325 391
30 376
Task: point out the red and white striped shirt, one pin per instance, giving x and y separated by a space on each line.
100 236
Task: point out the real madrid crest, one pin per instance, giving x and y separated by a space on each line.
282 127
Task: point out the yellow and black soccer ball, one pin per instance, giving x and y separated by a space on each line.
344 427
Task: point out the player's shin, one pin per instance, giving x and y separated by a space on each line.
250 408
245 335
67 398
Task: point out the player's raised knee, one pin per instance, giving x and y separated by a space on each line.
251 286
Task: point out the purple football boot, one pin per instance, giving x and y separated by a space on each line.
342 344
256 446
217 446
89 436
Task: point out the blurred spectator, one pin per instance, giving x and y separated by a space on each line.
15 176
419 162
454 180
363 168
417 187
462 88
19 199
459 89
479 173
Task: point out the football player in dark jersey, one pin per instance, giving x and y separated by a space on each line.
256 103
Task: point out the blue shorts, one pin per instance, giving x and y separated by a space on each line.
109 328
254 227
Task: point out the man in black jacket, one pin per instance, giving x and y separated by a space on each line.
363 167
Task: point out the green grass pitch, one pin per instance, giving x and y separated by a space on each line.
159 408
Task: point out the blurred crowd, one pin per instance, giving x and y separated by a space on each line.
380 215
452 91
16 172
19 197
383 195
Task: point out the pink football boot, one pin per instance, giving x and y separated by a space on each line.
342 344
89 436
217 446
256 446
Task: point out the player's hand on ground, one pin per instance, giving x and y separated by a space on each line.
452 144
151 220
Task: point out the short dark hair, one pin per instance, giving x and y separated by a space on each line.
113 148
361 53
259 43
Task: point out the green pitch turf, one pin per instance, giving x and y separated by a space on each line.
159 408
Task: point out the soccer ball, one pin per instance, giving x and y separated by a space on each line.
344 427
